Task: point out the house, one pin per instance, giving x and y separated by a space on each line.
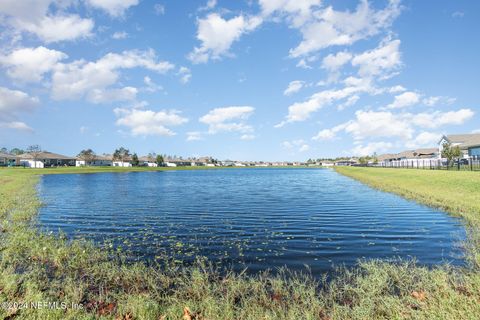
126 162
97 161
147 162
177 162
469 144
7 159
44 159
409 158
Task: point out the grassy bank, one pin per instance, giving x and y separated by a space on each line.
37 267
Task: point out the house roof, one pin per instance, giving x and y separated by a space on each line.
387 156
409 154
98 157
45 155
146 159
465 140
7 156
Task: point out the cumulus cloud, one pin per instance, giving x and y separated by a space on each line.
369 125
333 62
379 61
217 35
301 111
371 148
93 79
148 122
35 16
424 139
335 28
115 8
293 87
13 103
30 64
297 12
404 100
228 119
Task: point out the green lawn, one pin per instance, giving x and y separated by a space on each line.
40 267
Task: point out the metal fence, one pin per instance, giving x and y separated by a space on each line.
467 164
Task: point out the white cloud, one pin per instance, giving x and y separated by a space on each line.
378 124
299 145
228 119
385 58
151 86
217 35
350 102
115 8
438 119
247 137
185 75
112 95
300 111
148 122
90 79
13 103
371 148
396 89
293 87
334 28
476 131
404 127
120 35
59 28
208 6
297 12
424 139
16 125
159 9
194 136
404 100
333 62
30 64
329 134
33 16
433 101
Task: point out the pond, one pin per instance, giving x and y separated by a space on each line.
259 218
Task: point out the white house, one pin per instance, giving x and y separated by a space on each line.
147 162
98 161
469 144
44 159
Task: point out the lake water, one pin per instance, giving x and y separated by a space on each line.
260 218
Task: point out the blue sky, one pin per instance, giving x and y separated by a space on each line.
246 80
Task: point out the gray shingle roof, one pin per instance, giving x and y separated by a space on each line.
465 140
45 155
